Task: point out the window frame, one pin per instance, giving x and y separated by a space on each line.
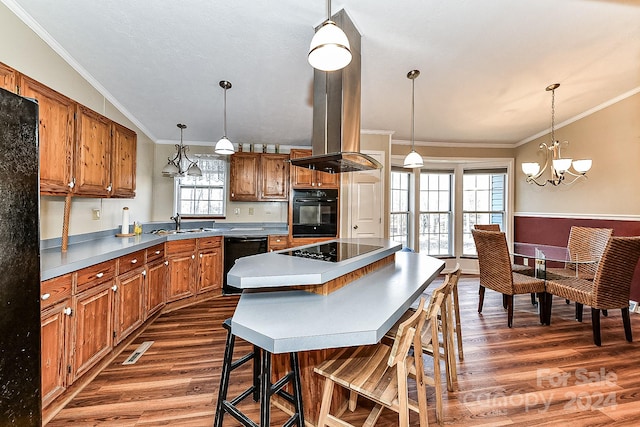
177 189
407 213
450 213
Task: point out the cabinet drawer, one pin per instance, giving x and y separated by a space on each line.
278 242
54 290
96 274
130 261
180 246
155 252
210 242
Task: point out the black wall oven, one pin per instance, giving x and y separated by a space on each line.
315 213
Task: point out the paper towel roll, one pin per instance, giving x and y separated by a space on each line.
125 221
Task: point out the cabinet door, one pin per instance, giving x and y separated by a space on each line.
93 153
156 286
129 303
275 177
244 176
8 78
182 268
123 162
326 180
210 270
301 177
278 242
54 345
92 327
55 136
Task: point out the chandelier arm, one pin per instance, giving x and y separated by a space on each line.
533 180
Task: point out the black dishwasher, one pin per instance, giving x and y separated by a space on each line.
237 247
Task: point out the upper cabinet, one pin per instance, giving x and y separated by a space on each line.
81 151
258 177
8 78
307 178
55 134
123 162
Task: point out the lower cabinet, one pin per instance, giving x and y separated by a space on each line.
55 333
181 255
93 327
278 242
210 265
129 303
156 286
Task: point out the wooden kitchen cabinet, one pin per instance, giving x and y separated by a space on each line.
307 178
93 153
129 295
156 286
8 78
278 242
123 161
274 169
255 177
210 264
183 266
56 136
55 303
243 177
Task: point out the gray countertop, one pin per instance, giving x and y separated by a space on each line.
357 314
54 262
275 269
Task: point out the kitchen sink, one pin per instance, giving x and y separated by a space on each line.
186 230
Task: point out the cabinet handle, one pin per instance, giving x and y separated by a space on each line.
67 311
200 255
166 263
144 273
319 184
193 257
233 194
99 275
45 297
72 183
313 184
134 261
114 288
109 187
157 252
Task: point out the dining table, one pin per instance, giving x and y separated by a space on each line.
540 257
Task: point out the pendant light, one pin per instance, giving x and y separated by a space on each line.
329 49
224 146
181 165
413 159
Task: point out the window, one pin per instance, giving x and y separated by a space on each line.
483 202
203 195
436 213
399 220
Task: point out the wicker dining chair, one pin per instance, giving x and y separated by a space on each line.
585 243
610 288
518 268
496 273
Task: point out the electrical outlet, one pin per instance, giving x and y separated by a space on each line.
526 261
236 211
95 214
250 211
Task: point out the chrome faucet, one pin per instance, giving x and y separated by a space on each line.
177 220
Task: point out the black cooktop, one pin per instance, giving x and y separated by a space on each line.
332 251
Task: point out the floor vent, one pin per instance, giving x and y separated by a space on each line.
137 353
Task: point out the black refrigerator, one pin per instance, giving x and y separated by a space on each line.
20 388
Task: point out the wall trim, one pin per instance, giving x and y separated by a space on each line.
612 217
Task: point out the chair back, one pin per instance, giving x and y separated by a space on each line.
494 260
612 283
587 243
407 336
487 227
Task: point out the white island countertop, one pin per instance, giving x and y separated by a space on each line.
276 269
360 313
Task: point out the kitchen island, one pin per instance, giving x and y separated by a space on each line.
359 313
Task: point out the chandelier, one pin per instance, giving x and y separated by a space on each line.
559 167
413 159
329 49
181 165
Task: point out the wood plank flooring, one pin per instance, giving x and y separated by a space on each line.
527 375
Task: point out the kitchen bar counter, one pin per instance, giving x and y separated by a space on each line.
357 314
55 263
276 269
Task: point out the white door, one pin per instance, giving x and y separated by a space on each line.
366 199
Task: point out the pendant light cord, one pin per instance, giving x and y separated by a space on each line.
413 117
225 113
553 115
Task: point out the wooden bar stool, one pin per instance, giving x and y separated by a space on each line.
262 388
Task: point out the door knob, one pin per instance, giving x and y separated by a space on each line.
355 227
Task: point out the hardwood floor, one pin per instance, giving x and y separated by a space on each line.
527 375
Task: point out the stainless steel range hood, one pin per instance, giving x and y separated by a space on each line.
336 114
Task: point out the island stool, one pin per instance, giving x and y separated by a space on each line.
262 387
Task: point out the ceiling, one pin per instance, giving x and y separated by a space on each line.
484 63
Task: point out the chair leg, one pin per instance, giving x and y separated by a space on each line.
533 299
605 313
548 300
567 301
509 310
504 302
595 324
542 296
579 308
456 309
481 300
627 324
327 393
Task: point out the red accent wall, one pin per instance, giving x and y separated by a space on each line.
555 231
